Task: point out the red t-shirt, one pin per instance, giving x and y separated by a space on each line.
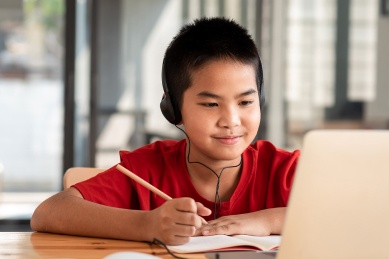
266 179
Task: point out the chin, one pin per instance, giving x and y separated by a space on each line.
226 156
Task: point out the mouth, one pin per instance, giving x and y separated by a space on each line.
228 140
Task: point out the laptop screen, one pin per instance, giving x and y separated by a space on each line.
339 204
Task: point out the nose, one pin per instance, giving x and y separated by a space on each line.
229 117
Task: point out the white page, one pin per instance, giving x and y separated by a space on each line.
267 242
208 243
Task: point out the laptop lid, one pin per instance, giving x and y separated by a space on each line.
339 204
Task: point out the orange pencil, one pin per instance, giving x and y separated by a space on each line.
147 185
143 182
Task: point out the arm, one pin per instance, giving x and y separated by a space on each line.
259 223
68 213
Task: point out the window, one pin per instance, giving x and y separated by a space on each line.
31 102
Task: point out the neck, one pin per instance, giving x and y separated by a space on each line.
204 165
206 180
210 169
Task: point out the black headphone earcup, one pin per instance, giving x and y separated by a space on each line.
167 107
261 84
262 97
168 110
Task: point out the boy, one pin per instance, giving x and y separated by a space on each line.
212 79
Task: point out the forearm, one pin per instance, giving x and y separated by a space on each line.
65 213
259 223
273 218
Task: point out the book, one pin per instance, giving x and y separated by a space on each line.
200 244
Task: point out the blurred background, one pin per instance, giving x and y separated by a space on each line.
81 79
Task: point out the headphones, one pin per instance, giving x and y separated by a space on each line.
172 112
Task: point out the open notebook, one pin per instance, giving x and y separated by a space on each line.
339 205
223 242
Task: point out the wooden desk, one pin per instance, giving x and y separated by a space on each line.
43 245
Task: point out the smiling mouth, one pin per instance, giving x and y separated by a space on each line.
229 140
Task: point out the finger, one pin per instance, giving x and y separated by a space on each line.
221 220
203 221
198 232
185 230
202 210
221 229
175 233
217 223
185 205
188 219
189 205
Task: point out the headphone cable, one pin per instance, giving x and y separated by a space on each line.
217 196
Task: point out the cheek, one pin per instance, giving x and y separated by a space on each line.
253 120
198 124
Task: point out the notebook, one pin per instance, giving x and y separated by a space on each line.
339 204
223 242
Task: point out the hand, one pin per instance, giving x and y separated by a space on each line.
259 223
176 220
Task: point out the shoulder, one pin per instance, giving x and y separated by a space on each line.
154 148
154 152
266 157
277 167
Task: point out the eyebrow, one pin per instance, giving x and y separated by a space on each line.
206 94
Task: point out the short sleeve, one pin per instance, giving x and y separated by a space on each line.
281 177
111 188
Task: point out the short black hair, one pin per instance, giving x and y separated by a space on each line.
205 40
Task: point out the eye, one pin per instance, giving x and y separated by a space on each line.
209 105
246 103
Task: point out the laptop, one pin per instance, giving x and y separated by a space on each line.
339 204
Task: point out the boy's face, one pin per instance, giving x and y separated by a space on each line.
220 111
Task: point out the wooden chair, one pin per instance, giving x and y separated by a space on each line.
78 174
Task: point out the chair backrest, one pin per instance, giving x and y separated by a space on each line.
78 174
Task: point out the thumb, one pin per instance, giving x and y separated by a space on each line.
202 210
